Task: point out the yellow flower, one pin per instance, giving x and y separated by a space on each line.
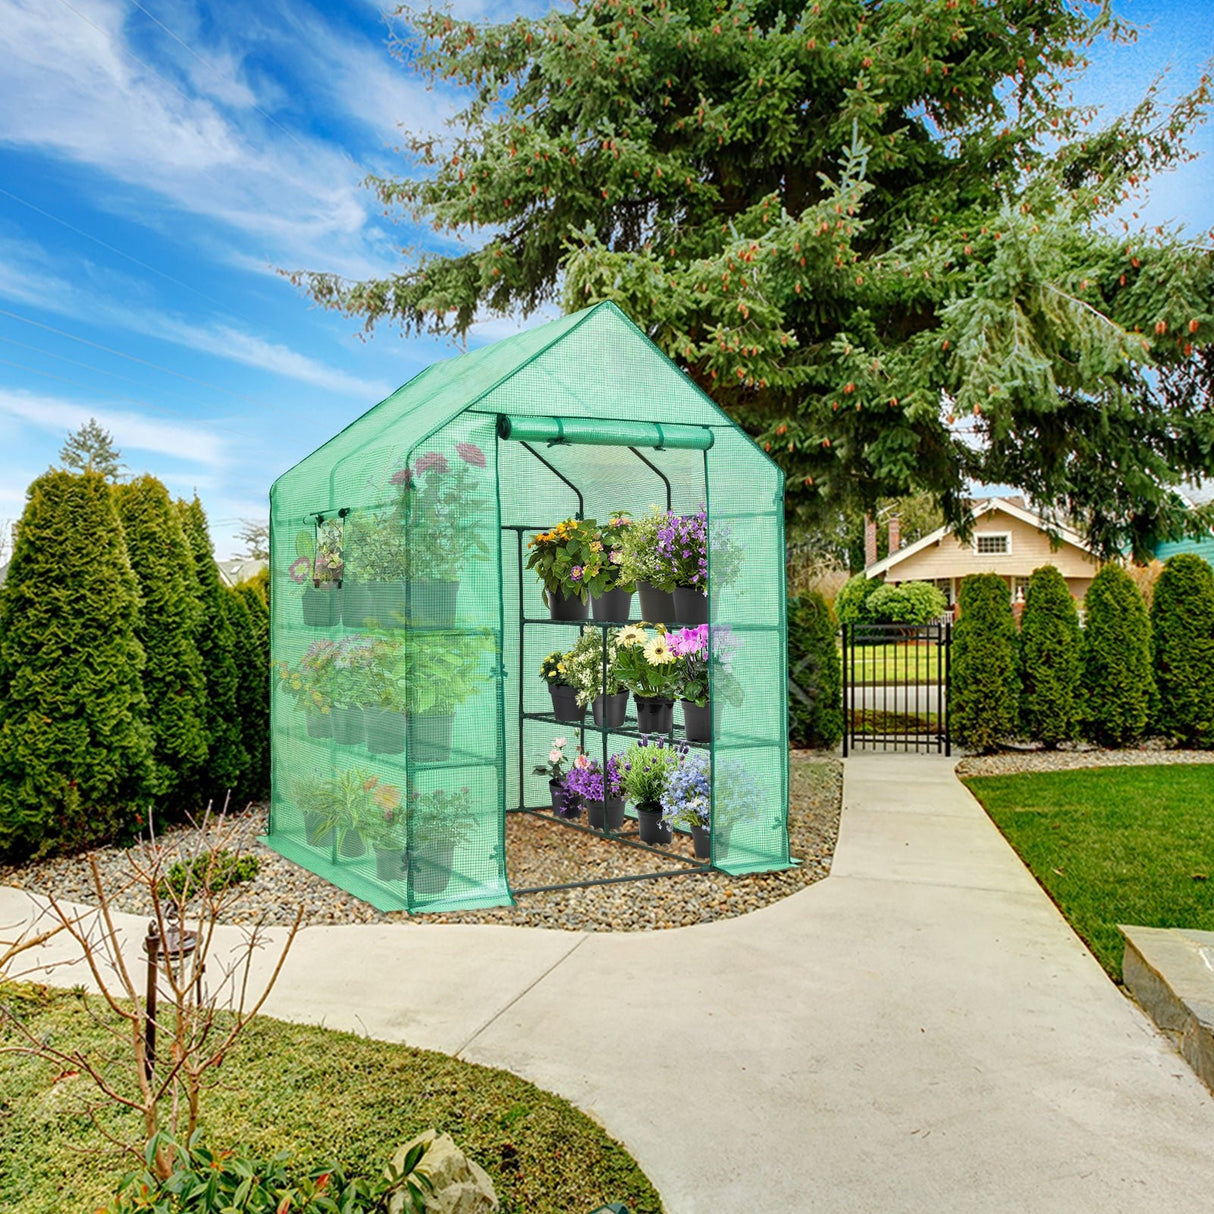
631 634
657 652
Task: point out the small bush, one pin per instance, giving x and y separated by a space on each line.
815 710
984 687
910 603
212 870
851 603
1049 660
1117 680
1182 644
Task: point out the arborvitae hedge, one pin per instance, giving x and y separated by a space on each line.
984 684
1117 679
815 710
1182 644
74 743
251 636
227 761
1049 660
173 681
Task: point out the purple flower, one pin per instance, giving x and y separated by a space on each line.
576 573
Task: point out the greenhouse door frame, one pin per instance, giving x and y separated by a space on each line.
629 836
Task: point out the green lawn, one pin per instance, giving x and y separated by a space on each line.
324 1096
913 663
1115 845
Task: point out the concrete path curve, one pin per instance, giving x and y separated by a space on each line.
919 1032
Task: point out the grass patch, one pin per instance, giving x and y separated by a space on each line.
1114 845
321 1095
881 721
907 662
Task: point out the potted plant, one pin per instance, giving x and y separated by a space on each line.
436 823
442 670
373 588
554 769
310 699
311 797
644 771
352 680
591 668
641 563
683 553
602 575
558 558
440 510
687 800
318 560
594 789
565 705
645 665
701 674
382 824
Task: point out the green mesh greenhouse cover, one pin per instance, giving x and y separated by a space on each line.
407 634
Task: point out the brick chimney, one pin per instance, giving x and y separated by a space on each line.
870 541
895 533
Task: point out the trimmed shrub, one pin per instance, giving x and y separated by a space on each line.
815 703
227 761
1049 660
984 687
173 681
1117 679
250 625
851 603
910 603
75 747
1182 646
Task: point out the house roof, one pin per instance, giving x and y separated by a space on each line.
1014 507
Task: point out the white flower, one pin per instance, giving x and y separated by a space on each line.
558 743
657 652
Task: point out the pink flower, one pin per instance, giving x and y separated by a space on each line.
581 761
432 459
470 453
299 569
401 477
554 756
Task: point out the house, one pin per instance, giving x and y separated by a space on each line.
239 569
1009 538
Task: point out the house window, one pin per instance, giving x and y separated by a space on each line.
993 544
1020 586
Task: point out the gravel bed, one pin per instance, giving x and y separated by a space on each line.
1012 762
538 853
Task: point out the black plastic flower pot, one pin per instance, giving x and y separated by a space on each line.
564 704
429 868
655 714
321 605
355 604
352 845
320 724
595 814
613 811
565 804
430 737
389 863
385 730
612 605
703 842
657 606
318 830
697 721
690 606
433 604
653 829
385 605
562 608
347 724
609 711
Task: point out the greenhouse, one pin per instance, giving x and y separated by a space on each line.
545 577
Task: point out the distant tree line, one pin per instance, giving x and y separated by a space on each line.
133 683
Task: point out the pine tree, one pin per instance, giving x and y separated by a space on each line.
1049 660
1117 679
91 449
173 681
227 761
984 690
250 623
834 216
1182 645
74 743
815 709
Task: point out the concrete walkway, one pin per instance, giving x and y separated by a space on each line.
919 1032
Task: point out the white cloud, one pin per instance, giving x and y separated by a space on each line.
131 431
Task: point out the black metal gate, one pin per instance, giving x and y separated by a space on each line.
895 687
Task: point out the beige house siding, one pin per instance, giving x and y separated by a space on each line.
948 558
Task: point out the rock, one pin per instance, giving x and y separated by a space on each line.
458 1185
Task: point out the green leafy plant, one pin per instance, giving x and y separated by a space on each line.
212 871
914 603
1182 645
443 670
1049 660
578 558
645 663
984 690
584 665
441 512
851 603
1118 682
375 548
439 817
646 767
815 713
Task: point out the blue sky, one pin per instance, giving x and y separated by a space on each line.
158 160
